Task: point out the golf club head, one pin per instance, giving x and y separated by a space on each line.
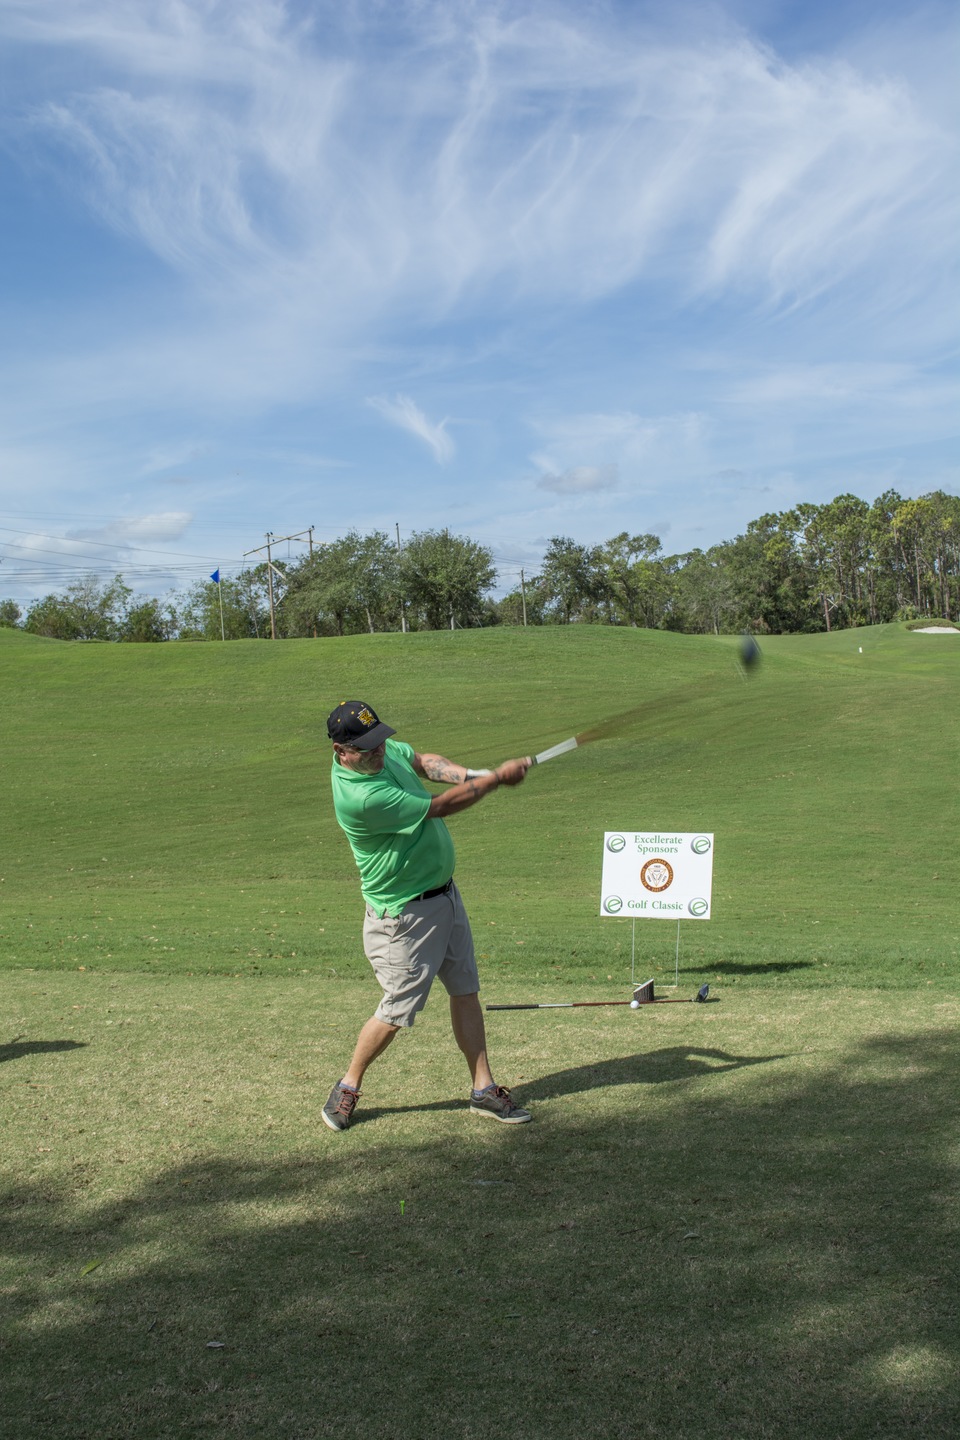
702 993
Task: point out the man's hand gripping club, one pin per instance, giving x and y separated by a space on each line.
466 787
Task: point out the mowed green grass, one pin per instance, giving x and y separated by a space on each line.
730 1220
167 807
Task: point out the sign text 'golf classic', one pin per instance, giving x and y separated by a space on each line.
657 875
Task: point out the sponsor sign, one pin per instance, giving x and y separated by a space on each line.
657 874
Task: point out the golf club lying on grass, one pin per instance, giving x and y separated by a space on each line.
642 995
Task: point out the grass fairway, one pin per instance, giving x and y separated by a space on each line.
167 806
737 1219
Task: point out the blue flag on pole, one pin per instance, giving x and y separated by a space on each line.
215 577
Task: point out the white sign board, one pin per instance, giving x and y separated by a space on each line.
657 874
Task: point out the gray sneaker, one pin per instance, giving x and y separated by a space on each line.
339 1108
499 1104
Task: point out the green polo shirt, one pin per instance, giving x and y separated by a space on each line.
399 852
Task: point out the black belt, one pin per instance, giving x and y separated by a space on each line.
429 894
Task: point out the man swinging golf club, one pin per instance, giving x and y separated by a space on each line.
416 927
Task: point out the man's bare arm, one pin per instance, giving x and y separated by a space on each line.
437 767
461 796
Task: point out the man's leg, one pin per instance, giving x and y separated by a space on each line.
466 1017
487 1099
459 973
371 1042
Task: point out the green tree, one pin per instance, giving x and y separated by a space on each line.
772 588
637 583
847 526
833 543
343 588
573 579
926 536
945 546
525 604
147 623
705 593
89 609
883 579
10 614
911 525
246 611
815 552
445 577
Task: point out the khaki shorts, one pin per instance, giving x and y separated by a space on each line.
432 937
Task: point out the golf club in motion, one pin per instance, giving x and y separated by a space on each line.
748 659
642 995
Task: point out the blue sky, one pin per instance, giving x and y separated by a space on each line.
521 269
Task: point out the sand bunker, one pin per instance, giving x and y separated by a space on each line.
937 630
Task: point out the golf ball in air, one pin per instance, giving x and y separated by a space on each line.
634 1004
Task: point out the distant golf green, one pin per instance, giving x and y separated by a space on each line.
167 806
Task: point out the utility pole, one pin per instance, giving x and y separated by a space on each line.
403 612
446 536
273 625
310 533
523 597
271 541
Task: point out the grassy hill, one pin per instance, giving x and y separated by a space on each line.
167 807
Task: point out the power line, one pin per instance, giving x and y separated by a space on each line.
103 544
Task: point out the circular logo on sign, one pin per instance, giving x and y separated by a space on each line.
698 907
612 904
615 843
656 875
700 844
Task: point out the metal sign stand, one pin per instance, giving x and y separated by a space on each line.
633 957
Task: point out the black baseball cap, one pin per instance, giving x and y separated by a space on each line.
354 723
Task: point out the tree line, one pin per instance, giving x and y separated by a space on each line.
812 568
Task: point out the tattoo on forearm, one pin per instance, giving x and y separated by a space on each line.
435 767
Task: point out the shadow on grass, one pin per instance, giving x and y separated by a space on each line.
789 1269
676 1062
651 1068
14 1049
767 967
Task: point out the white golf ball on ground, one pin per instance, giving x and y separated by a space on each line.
634 1004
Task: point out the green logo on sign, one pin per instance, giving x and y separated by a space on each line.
700 844
698 907
615 843
612 904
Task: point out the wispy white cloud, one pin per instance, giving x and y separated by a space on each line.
405 413
161 458
352 200
581 480
538 152
139 531
595 452
37 561
834 382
